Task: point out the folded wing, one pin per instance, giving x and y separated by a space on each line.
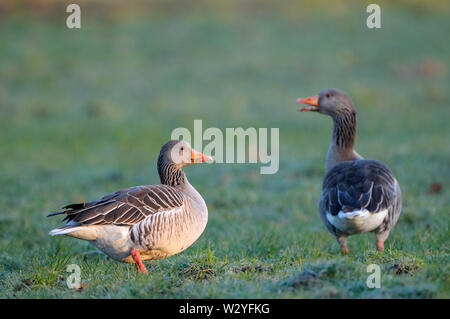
125 207
358 185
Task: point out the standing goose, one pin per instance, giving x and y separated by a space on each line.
358 195
144 222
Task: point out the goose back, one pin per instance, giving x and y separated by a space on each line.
361 185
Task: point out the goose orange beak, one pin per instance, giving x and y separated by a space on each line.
197 157
312 100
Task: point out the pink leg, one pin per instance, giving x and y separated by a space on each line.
380 245
344 249
343 242
138 261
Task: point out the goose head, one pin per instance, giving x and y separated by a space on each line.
180 154
329 101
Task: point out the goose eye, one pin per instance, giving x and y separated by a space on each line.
182 148
327 95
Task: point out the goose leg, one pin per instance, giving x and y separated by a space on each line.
380 245
343 242
138 261
381 237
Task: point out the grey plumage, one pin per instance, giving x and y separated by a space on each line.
358 185
358 195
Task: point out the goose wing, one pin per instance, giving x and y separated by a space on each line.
125 207
361 184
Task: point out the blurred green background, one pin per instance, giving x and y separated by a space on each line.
85 112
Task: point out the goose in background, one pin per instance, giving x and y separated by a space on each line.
358 195
144 222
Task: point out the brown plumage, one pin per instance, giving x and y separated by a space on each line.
124 207
155 221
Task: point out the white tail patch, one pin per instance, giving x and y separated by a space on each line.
357 221
62 231
81 232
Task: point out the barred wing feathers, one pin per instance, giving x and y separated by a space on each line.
360 184
125 207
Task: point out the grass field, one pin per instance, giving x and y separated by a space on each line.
85 112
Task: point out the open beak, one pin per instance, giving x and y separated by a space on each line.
197 157
312 100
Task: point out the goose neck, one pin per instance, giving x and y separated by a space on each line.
170 174
343 138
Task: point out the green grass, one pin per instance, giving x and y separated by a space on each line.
84 113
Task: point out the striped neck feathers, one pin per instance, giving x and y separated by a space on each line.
344 130
170 174
343 139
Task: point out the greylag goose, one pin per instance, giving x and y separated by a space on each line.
358 195
144 222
